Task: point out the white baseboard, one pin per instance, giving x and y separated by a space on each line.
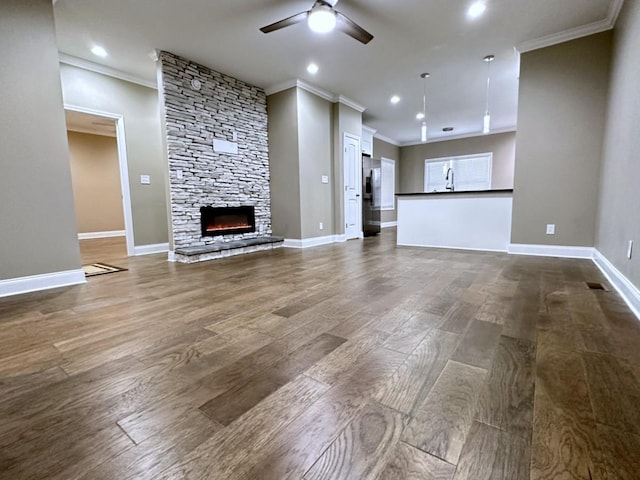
109 234
313 242
627 290
446 247
551 251
389 224
171 256
149 249
33 283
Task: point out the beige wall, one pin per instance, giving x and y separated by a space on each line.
501 144
38 233
282 110
345 120
139 107
383 149
95 172
619 220
315 152
563 97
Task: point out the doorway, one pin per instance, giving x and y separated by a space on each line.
352 187
101 183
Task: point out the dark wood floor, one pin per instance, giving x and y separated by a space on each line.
351 361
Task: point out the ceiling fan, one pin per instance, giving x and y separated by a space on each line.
322 18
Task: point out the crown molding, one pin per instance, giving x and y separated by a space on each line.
386 139
330 97
369 129
574 33
350 103
461 136
104 70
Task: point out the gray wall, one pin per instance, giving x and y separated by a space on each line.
619 220
387 150
38 233
563 97
139 106
282 109
501 144
315 152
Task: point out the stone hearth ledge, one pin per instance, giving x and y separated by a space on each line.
226 249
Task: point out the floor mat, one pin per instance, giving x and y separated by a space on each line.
100 269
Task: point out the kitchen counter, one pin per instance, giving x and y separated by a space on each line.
472 192
472 220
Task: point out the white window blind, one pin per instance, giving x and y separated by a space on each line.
470 172
388 184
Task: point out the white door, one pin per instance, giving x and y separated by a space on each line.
352 187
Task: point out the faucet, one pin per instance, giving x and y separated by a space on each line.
449 187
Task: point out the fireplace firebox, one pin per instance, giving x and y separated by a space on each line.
227 220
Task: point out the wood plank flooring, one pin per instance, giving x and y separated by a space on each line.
355 361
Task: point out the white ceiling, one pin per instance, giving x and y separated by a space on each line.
86 123
411 37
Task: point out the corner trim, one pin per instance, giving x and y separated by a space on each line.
627 290
350 103
574 33
281 87
388 224
171 256
313 242
386 139
460 136
104 70
152 248
561 251
107 234
34 283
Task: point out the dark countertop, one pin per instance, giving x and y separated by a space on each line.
467 192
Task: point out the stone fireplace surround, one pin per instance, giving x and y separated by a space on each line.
201 105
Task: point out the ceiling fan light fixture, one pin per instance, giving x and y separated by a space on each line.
322 19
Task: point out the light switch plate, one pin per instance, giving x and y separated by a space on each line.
145 180
325 178
551 229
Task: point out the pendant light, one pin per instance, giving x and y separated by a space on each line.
423 129
487 116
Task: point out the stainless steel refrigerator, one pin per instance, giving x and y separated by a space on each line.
371 195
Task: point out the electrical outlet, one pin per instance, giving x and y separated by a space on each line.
321 226
551 229
145 180
179 174
630 249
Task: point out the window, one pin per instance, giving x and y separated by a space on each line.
470 172
388 173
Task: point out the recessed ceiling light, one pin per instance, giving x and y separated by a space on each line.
395 99
420 116
312 68
98 51
476 9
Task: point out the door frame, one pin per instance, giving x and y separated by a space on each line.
358 180
124 169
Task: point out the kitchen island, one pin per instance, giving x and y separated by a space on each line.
475 220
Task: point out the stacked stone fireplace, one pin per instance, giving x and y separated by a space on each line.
202 106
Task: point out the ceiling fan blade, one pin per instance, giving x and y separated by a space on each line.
287 22
352 29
